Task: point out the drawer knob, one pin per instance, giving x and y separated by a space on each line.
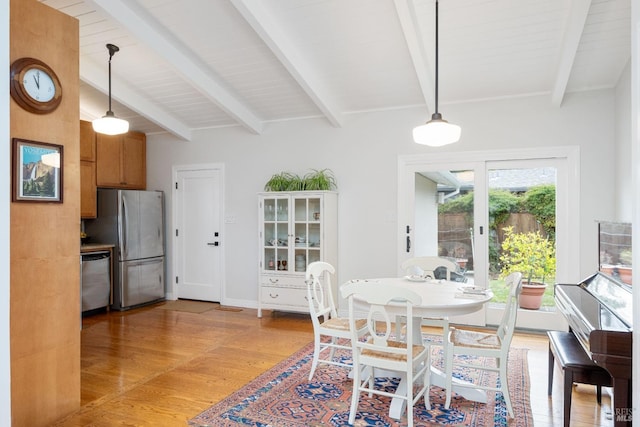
273 296
273 280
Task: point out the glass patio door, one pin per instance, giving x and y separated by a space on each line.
448 218
457 209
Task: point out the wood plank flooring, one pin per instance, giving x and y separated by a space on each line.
160 366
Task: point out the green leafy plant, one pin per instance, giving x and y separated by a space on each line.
502 203
283 181
320 180
314 180
529 253
541 202
626 257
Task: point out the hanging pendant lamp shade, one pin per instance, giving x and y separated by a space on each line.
437 131
109 124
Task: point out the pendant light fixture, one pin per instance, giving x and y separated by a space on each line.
437 131
109 124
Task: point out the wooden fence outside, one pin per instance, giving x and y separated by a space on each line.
455 233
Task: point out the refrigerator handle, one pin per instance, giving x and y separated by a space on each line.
123 230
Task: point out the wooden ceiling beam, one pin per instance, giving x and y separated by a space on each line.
415 43
98 77
139 23
570 42
291 58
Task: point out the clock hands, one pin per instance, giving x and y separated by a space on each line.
36 78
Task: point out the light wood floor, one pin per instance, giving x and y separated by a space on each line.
159 366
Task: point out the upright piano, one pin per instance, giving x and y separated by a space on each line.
599 311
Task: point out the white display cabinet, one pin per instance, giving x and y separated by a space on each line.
295 229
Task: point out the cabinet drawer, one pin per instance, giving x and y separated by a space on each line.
283 281
279 297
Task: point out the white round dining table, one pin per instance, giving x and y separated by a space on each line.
440 299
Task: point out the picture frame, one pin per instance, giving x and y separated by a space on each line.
36 171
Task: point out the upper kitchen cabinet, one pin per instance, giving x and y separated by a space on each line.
121 161
88 201
87 142
88 207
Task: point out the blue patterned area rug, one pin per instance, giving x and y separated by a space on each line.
283 397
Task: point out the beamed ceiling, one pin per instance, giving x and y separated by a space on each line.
194 64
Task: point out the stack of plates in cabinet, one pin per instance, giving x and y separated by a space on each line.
301 263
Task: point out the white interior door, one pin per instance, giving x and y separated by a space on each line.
198 233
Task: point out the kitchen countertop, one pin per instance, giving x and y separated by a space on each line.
92 247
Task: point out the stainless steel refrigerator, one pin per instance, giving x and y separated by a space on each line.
134 222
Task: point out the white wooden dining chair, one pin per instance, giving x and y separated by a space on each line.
426 267
330 332
381 350
496 345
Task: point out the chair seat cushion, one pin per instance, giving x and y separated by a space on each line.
463 337
417 349
342 324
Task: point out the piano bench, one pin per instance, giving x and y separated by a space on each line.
577 366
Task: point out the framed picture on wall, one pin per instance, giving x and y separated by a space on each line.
36 171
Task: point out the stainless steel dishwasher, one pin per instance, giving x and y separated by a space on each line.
96 280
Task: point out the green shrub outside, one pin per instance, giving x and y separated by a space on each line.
540 201
528 253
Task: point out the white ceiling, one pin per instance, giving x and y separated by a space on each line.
194 64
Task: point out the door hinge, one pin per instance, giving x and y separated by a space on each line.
176 232
176 280
176 185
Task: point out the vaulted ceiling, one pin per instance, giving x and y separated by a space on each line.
192 64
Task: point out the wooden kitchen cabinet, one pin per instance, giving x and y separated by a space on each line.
88 205
87 142
88 202
121 161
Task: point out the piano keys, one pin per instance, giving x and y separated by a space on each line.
599 311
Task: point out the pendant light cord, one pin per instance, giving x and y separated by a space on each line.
112 50
436 112
111 56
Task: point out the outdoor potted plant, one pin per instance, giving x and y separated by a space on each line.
534 256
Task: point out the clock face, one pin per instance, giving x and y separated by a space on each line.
34 86
39 85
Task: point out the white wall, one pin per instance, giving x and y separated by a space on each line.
634 122
623 183
363 156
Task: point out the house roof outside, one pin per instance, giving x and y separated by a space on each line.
514 180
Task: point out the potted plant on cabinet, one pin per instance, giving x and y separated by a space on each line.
315 180
534 256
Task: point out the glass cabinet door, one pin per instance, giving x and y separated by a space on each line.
306 232
276 234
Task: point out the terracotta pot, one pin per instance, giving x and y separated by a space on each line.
531 295
621 272
625 274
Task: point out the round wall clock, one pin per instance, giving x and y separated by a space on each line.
34 86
